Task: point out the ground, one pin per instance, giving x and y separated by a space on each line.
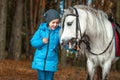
21 70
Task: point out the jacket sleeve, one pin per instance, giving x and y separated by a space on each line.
36 40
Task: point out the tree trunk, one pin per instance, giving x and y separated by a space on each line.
15 42
118 20
27 30
58 3
63 57
3 21
39 12
43 9
31 16
36 9
118 11
69 3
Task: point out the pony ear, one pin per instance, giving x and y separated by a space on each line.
71 9
65 10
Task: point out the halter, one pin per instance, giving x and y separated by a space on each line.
84 38
77 25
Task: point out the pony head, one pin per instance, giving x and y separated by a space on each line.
88 26
72 29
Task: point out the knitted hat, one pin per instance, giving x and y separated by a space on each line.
51 15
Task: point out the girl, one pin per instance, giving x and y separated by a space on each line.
46 42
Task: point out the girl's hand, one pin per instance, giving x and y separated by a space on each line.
45 40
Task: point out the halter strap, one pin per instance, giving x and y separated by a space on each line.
77 27
78 42
77 23
87 42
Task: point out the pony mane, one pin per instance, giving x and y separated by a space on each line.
99 14
92 10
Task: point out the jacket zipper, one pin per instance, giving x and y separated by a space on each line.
47 51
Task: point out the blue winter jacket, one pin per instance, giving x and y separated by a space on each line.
46 55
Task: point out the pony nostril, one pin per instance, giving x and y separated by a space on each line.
62 42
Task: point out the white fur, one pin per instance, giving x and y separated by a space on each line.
96 25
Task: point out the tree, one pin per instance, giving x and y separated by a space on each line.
15 43
118 11
3 21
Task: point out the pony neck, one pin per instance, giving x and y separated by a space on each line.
100 32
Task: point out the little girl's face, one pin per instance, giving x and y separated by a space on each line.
53 24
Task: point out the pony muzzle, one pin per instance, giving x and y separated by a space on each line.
74 44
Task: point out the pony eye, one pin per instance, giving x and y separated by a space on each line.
69 23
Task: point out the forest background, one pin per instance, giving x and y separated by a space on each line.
19 19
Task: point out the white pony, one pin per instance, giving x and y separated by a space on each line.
94 35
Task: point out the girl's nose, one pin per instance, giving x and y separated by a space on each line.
55 25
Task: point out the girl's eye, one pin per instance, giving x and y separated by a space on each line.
69 23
